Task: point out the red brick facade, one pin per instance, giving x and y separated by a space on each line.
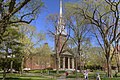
33 63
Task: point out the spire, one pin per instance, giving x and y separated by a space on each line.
61 8
61 24
61 19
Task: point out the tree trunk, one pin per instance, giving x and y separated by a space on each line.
76 67
57 54
117 55
5 67
11 66
31 62
79 62
109 70
4 74
22 64
57 65
118 66
118 61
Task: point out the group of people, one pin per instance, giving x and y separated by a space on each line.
85 73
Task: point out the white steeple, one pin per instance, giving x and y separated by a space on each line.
60 8
61 23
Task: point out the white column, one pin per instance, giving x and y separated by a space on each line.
73 66
63 62
68 63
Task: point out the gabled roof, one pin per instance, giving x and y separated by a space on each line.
68 52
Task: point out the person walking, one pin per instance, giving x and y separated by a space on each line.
66 73
98 77
86 75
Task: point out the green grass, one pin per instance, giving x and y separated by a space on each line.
118 78
45 71
92 76
25 77
38 76
48 72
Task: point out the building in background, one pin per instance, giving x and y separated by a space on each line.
66 57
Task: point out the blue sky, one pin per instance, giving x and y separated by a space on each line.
51 7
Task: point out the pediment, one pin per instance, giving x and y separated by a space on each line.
67 52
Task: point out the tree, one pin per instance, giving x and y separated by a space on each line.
58 38
79 31
30 38
17 11
95 57
117 52
44 56
10 47
106 21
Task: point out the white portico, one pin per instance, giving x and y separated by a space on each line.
66 61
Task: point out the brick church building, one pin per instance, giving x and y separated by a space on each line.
66 58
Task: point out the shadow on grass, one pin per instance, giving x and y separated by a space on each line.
10 78
24 78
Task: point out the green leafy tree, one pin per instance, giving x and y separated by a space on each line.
79 31
95 57
10 47
30 38
104 16
44 56
17 11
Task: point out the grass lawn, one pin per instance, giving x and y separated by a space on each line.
24 77
27 78
52 76
92 76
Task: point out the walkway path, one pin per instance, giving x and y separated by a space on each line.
63 77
